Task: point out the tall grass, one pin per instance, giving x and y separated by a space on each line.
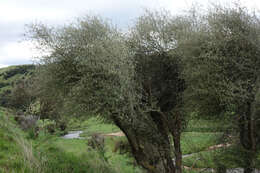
43 155
16 153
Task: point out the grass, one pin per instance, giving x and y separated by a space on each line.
201 125
193 142
127 162
121 162
70 155
231 157
16 153
204 159
50 154
92 125
77 149
199 136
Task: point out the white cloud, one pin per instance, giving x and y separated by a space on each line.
10 13
2 65
17 53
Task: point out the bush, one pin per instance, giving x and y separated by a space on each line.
122 146
33 133
5 98
3 84
97 141
62 125
26 122
47 125
21 96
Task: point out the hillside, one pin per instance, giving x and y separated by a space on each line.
11 75
15 151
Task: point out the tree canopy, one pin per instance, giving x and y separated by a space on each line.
148 79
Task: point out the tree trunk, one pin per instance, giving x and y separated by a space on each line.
154 156
178 153
177 143
248 137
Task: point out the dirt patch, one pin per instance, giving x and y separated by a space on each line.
218 146
115 134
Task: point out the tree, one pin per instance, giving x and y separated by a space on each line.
98 71
222 72
154 42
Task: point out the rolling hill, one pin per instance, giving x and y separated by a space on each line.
9 76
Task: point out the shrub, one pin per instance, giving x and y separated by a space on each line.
26 122
47 125
122 146
97 141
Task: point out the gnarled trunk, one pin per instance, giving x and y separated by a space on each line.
154 156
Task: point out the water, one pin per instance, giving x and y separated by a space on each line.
73 135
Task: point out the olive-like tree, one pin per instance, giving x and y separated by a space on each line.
223 70
96 70
154 42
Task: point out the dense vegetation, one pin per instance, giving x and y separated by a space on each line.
13 79
174 85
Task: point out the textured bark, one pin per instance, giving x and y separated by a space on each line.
154 156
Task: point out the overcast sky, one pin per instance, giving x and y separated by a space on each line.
14 14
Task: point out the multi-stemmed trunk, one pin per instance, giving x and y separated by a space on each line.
154 156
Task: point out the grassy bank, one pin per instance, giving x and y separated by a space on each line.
53 154
47 153
16 153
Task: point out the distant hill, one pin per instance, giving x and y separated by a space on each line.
9 76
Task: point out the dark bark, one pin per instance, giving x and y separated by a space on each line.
177 143
174 124
248 137
154 156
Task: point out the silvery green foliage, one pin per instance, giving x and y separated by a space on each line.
96 70
90 62
222 73
223 59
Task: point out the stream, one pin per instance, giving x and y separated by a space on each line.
73 135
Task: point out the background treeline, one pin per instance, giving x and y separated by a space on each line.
152 79
13 82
